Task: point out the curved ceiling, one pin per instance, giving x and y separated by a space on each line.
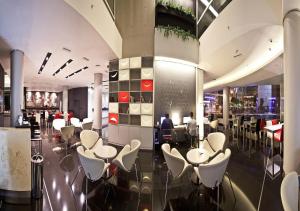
246 36
39 27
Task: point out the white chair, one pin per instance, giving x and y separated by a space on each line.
86 120
211 174
94 168
213 144
58 124
269 134
176 164
127 156
87 126
75 121
214 125
88 138
289 192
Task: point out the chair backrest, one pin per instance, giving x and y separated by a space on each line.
88 138
212 173
86 120
67 132
58 124
216 141
289 192
93 167
268 122
175 164
214 124
130 157
87 125
75 121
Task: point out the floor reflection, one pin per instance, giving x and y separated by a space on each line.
122 192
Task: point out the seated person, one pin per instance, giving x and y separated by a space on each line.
167 125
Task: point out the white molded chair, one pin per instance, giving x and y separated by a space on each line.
176 163
67 133
214 143
211 174
94 168
87 126
127 156
58 124
86 120
214 124
289 192
269 134
75 121
88 138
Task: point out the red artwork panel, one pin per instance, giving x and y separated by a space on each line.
147 85
113 118
124 97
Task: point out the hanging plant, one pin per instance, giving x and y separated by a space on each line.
170 4
177 31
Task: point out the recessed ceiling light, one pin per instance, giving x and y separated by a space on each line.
62 67
85 58
66 49
78 71
44 62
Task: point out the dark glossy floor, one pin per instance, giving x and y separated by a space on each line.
121 192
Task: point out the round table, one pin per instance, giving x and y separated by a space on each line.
106 152
197 156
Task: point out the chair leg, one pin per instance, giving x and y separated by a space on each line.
228 175
218 197
78 170
166 189
86 192
136 174
140 167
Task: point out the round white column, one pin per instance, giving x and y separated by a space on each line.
199 103
97 124
291 159
65 99
17 85
226 106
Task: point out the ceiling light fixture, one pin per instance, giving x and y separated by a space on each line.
66 49
62 67
44 62
78 71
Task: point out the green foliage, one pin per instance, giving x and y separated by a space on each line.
175 6
175 30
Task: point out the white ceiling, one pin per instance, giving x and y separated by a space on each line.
40 26
252 29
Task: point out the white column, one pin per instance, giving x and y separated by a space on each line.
97 124
17 85
291 160
65 99
226 106
199 103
